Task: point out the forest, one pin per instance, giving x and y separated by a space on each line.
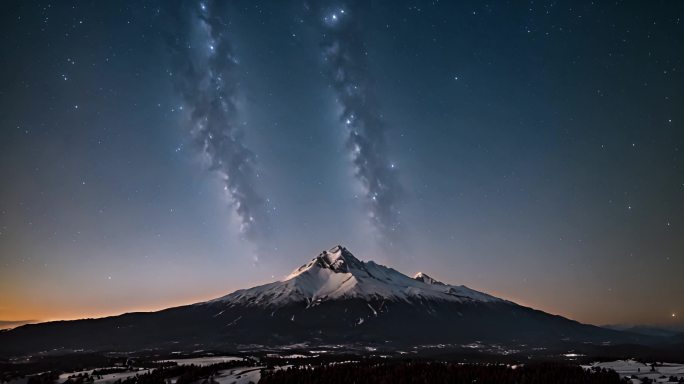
415 372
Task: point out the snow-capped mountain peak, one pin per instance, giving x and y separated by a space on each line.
337 274
337 259
420 276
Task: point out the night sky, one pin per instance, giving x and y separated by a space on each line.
161 153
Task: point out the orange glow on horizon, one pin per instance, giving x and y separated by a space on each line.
32 314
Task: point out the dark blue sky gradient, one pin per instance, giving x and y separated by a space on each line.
538 146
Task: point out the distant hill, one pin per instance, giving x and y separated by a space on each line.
678 338
646 330
6 324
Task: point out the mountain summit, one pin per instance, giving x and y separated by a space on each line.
337 259
336 274
420 276
333 300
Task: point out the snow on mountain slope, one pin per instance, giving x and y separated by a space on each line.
337 274
460 290
420 276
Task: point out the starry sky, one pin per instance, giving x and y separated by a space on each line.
159 153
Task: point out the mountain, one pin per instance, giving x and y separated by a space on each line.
5 324
336 275
678 338
333 300
646 330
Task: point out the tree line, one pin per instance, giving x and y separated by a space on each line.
419 372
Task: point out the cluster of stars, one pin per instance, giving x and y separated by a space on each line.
334 17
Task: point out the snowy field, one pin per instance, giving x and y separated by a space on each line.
239 375
106 379
637 371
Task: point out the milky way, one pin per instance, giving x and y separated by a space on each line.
346 61
205 74
529 138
